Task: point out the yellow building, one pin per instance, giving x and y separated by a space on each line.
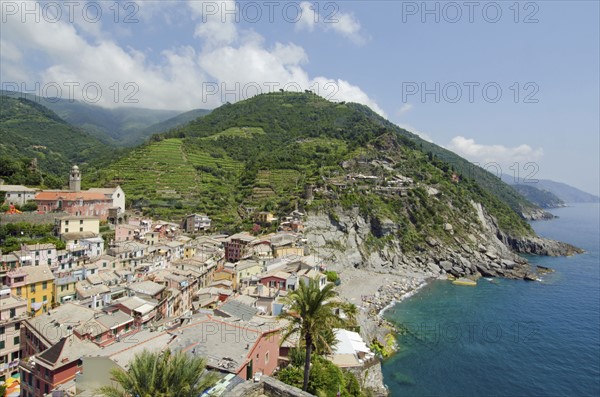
76 224
64 290
245 269
35 284
189 251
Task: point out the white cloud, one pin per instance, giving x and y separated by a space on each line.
500 154
407 107
216 26
330 19
178 77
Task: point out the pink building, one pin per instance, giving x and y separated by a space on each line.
74 203
126 232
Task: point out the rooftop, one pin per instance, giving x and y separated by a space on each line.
246 237
149 288
36 274
57 323
36 247
132 302
16 188
105 190
11 302
74 217
69 196
237 309
67 350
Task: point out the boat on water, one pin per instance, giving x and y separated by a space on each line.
464 281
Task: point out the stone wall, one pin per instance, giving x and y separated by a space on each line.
29 217
268 387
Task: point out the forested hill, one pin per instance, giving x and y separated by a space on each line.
264 151
30 131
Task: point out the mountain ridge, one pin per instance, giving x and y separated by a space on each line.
564 191
263 151
122 126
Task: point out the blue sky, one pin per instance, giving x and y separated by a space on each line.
538 62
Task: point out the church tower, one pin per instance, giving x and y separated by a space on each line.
75 179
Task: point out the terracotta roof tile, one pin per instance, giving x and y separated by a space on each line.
70 196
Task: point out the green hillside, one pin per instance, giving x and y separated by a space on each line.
540 197
30 131
262 152
123 126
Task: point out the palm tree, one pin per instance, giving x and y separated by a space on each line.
311 314
160 374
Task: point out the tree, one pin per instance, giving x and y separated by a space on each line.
311 313
154 374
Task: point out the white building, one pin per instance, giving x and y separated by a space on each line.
17 194
115 193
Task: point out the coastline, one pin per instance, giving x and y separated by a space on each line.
407 295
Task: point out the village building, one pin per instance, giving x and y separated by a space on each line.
35 284
72 224
17 194
93 202
195 222
12 311
236 246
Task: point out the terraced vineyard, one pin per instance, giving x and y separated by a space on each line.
280 181
156 168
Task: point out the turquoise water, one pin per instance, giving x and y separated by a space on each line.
506 337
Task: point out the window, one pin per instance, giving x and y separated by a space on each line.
18 290
32 287
81 222
37 253
16 340
2 330
67 230
49 261
1 344
13 313
32 301
17 326
44 298
66 223
81 229
49 252
44 285
14 356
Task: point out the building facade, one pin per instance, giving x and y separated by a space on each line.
12 311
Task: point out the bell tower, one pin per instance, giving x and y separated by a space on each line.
75 179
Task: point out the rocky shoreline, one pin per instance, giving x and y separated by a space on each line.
374 280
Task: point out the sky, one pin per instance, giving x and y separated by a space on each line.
513 86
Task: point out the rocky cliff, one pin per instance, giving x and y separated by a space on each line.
349 239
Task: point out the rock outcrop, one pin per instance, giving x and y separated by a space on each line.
348 239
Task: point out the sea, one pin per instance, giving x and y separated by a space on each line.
508 337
